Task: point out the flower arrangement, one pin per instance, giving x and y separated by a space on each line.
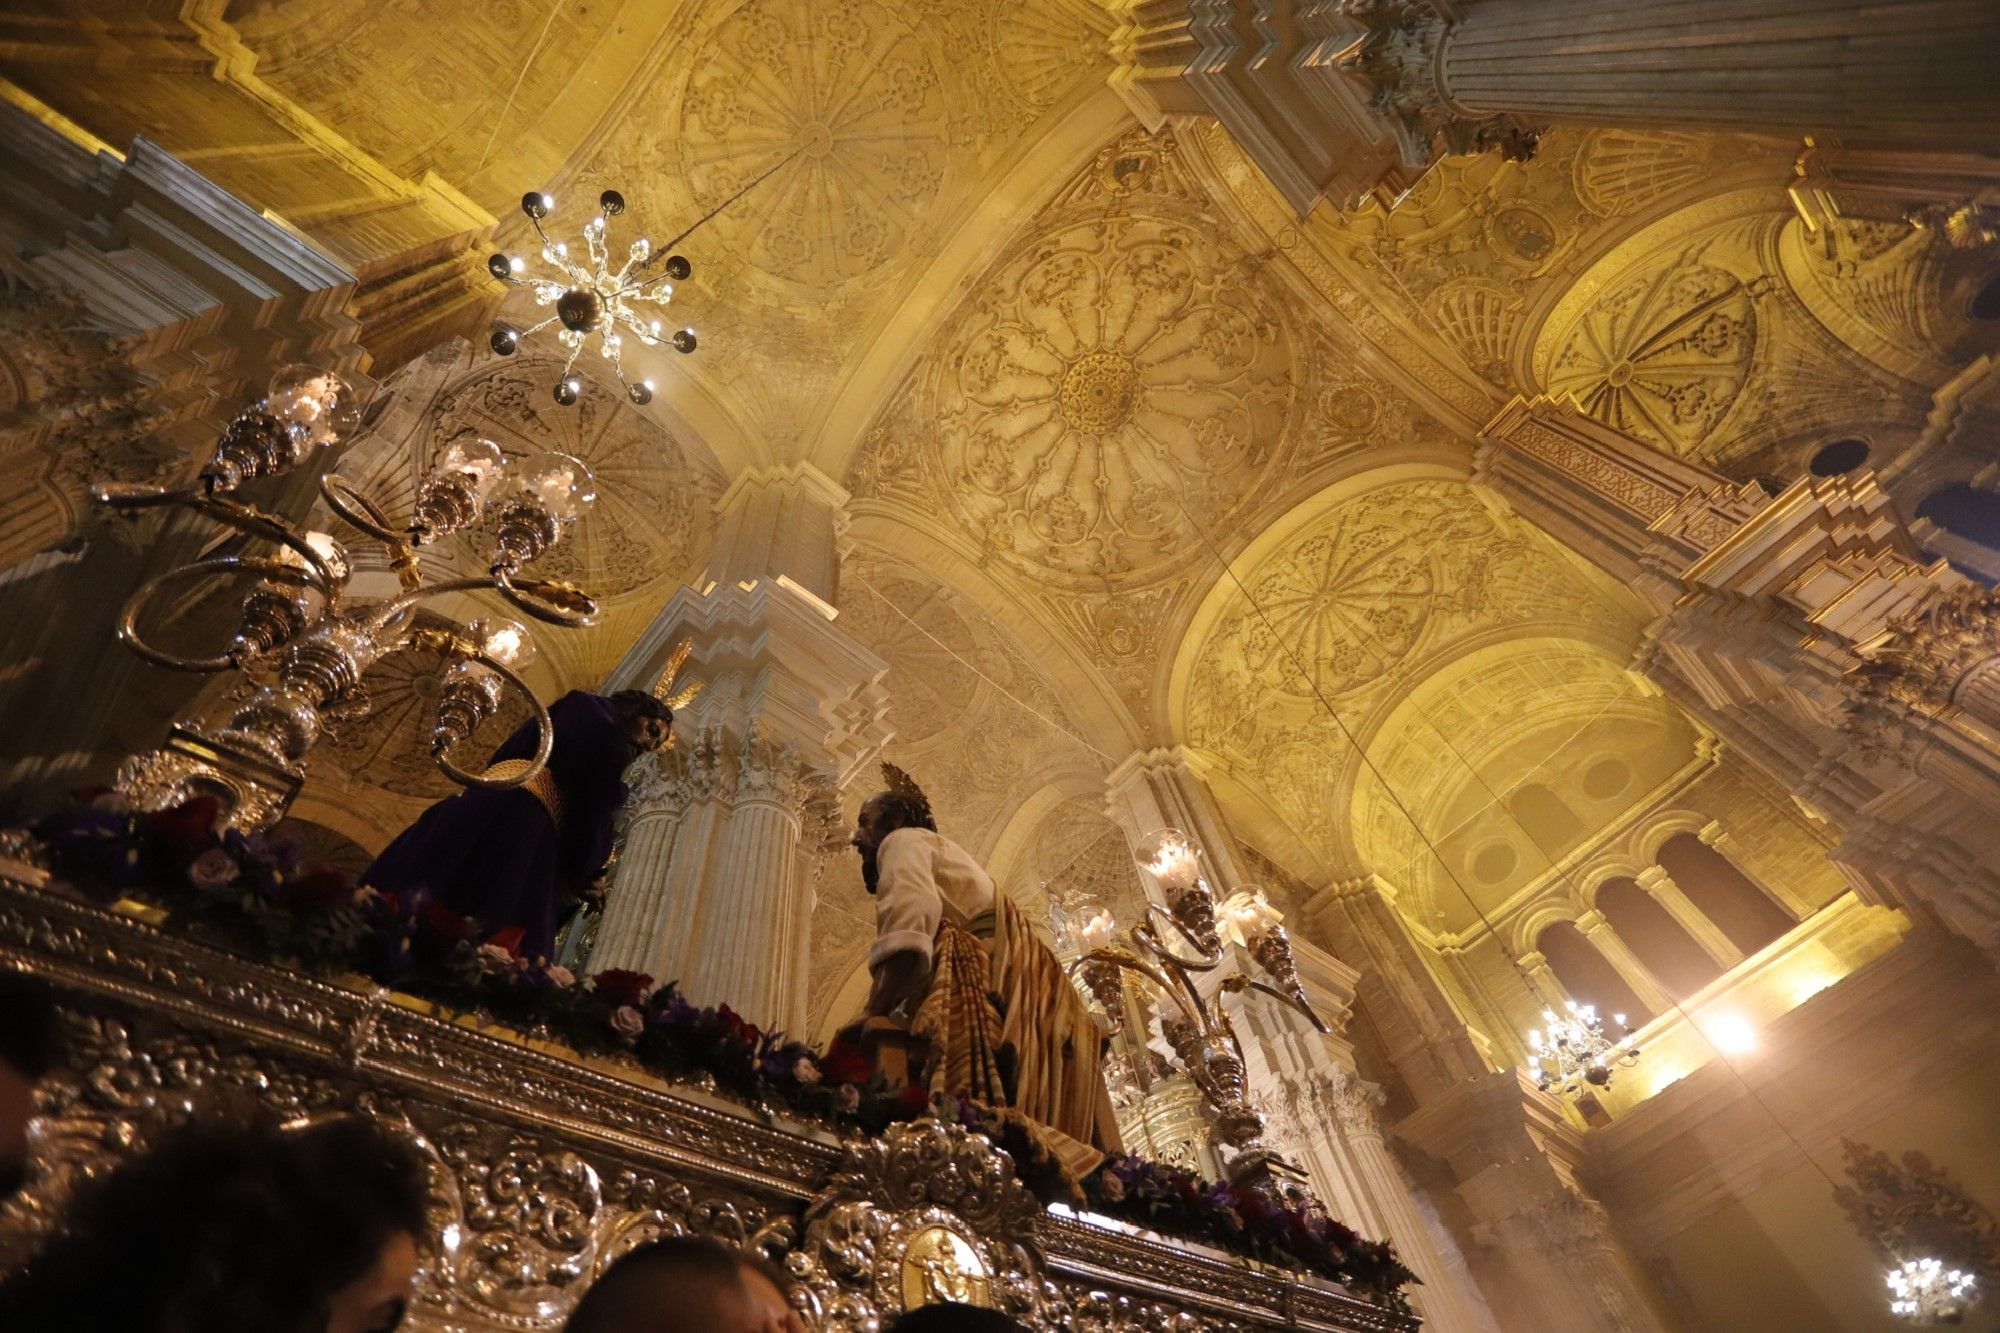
251 895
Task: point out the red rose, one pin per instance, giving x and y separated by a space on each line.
187 830
735 1027
509 939
619 986
441 920
912 1100
844 1063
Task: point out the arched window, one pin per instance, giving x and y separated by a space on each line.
1587 975
1679 964
1964 511
1546 818
1725 895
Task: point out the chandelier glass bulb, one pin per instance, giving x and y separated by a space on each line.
596 295
1926 1292
1571 1050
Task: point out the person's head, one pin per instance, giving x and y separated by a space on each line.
882 814
233 1228
954 1317
683 1284
647 720
27 1051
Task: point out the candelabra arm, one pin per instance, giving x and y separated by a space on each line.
545 730
128 618
358 511
557 603
1203 961
247 519
1238 983
1131 963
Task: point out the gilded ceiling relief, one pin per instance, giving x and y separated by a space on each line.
1349 616
879 122
1663 355
1690 337
458 92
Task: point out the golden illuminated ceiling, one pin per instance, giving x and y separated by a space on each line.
1139 457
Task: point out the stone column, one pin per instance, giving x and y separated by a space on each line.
1626 963
1917 73
1322 1115
1660 887
714 887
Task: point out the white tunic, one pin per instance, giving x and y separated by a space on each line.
921 875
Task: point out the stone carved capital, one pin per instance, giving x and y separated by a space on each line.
1927 660
1400 55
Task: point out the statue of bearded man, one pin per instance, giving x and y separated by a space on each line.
957 958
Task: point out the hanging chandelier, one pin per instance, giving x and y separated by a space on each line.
1926 1292
1571 1050
609 298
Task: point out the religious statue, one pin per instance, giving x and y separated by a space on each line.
518 860
957 960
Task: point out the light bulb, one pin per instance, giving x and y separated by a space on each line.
330 552
318 405
517 263
505 641
1097 930
559 483
478 459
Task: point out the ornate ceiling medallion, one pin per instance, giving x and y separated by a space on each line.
1115 380
849 89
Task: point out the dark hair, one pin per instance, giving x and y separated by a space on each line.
955 1317
640 703
665 1284
28 1041
901 811
226 1227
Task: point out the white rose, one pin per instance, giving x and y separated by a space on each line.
805 1071
213 869
561 975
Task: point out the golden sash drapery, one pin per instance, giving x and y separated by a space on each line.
1007 1029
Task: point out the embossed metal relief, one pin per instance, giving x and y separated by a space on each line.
544 1170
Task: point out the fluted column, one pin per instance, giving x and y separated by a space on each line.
1906 71
714 887
1616 952
1660 887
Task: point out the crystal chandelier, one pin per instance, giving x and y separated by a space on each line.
1198 1029
304 645
1571 1050
608 298
1926 1292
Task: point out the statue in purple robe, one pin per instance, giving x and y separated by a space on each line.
520 859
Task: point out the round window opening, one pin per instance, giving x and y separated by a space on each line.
1606 778
1838 456
1495 863
1985 303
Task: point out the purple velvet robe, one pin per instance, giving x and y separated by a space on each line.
497 856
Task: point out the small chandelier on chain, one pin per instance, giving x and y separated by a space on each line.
1924 1291
601 299
1572 1050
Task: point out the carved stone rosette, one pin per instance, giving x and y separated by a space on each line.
544 1170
